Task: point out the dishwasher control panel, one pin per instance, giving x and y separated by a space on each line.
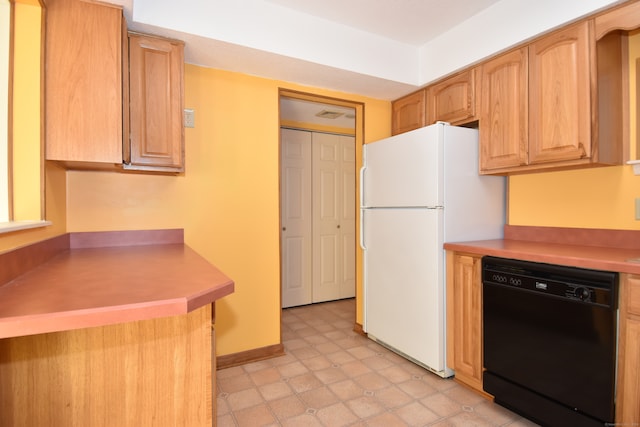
579 284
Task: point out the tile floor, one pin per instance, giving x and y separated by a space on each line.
332 376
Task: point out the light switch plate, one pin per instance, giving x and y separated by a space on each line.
189 118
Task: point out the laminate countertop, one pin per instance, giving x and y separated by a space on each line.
82 280
610 250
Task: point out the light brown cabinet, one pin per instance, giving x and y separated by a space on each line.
536 104
628 389
464 318
553 104
504 112
453 100
84 79
408 112
147 372
560 103
156 104
94 90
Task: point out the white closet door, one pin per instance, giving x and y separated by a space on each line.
334 217
296 217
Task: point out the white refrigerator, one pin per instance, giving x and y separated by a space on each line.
419 190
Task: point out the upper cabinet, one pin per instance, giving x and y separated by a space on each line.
504 111
155 104
537 105
560 101
84 81
453 100
105 109
408 112
560 71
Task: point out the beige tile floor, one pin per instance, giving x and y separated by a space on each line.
332 376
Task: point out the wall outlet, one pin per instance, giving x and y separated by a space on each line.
638 208
189 118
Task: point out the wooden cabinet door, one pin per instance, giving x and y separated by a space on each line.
504 127
156 103
560 95
84 104
628 394
453 100
464 318
408 113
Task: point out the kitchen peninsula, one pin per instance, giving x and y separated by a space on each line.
110 328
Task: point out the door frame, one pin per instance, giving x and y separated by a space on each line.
359 142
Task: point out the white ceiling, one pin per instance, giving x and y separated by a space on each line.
414 22
298 110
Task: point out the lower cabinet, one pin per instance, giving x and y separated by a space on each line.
464 318
628 391
148 372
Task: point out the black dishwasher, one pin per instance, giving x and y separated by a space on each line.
550 337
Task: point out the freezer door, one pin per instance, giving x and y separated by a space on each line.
404 282
404 170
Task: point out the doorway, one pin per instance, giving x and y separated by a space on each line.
317 199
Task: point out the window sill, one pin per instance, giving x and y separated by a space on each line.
7 227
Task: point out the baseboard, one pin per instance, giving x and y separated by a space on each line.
255 355
358 329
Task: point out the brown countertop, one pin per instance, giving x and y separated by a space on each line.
611 250
104 278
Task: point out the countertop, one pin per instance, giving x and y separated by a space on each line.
106 278
611 250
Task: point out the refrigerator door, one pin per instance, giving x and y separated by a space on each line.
404 295
404 170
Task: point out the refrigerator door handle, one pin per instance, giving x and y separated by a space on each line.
362 246
362 185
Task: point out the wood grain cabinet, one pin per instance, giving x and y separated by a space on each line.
156 104
555 103
453 100
95 90
560 71
504 112
84 80
464 318
408 112
628 389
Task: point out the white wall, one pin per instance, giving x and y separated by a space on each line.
497 28
262 38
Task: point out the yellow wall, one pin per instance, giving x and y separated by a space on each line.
227 200
26 113
27 123
588 198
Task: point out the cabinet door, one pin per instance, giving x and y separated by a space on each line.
559 95
156 103
408 113
628 396
453 100
84 104
464 318
504 127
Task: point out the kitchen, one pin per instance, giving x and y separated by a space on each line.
226 158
